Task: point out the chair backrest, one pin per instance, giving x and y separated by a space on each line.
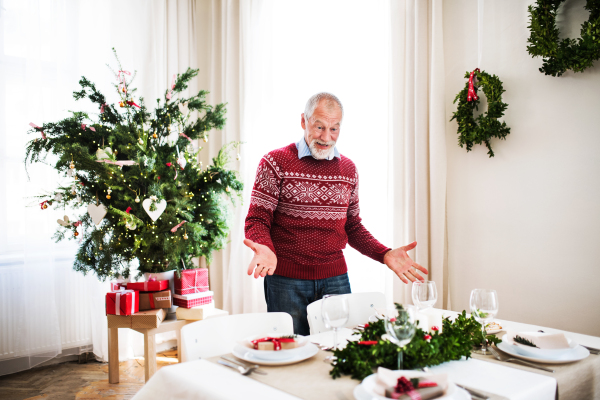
216 336
361 305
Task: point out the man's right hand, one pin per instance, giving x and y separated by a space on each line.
264 261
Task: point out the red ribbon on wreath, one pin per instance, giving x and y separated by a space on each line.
276 342
472 95
131 103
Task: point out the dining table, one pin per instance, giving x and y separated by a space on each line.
310 379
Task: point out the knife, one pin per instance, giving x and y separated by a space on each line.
473 392
255 368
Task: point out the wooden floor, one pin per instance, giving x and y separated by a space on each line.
79 381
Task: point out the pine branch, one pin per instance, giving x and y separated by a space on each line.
524 341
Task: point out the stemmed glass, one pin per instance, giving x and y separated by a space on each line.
484 307
401 330
424 294
335 311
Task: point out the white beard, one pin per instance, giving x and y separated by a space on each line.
320 154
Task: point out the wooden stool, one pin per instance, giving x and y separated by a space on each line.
168 325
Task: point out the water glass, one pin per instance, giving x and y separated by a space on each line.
401 330
424 294
335 311
484 307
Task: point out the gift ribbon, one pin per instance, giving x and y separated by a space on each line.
195 282
102 108
151 297
38 127
174 229
471 95
120 77
185 136
276 342
121 163
172 87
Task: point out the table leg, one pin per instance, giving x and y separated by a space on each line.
113 355
149 355
179 345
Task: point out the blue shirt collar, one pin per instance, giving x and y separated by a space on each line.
304 151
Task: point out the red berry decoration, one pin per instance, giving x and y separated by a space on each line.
435 328
427 337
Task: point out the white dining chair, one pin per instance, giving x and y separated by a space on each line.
216 336
361 305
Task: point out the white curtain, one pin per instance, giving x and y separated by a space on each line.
417 143
267 58
46 308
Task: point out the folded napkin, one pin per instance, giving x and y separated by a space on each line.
387 379
544 341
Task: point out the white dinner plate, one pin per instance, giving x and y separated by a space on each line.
364 391
576 354
243 353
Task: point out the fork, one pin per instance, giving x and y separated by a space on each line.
510 359
240 369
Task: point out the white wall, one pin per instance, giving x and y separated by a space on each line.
526 222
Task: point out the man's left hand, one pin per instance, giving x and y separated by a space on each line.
398 261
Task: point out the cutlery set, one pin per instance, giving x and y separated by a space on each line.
242 368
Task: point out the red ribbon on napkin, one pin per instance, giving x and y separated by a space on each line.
276 342
471 95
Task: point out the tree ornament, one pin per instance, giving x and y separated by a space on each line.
102 154
560 56
205 138
72 165
64 222
109 191
100 247
154 136
185 236
97 212
140 141
76 233
58 197
486 126
71 172
159 207
121 104
238 157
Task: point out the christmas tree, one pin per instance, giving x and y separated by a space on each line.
137 173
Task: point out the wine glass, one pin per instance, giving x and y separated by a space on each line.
335 311
401 330
424 294
484 307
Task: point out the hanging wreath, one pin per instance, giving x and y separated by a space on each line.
486 126
558 55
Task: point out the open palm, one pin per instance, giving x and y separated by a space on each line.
264 261
400 262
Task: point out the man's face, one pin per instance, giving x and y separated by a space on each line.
322 130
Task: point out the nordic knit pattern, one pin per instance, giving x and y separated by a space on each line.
306 211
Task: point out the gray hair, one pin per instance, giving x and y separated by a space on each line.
314 100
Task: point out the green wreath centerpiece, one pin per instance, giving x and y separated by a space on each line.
455 340
486 126
558 55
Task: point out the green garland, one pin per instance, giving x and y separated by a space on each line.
558 55
165 169
486 126
456 340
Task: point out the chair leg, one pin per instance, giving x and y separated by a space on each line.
179 345
113 355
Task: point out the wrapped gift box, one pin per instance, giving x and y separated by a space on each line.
141 320
193 300
118 285
122 302
191 281
152 300
154 286
195 313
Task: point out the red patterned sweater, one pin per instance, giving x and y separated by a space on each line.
305 211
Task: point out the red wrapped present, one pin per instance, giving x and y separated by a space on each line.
192 281
154 286
118 286
193 300
122 302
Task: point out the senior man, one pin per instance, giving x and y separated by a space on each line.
303 211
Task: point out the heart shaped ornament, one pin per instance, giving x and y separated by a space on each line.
160 208
96 212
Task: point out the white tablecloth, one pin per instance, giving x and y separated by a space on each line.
203 379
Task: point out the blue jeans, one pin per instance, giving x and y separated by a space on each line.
294 295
